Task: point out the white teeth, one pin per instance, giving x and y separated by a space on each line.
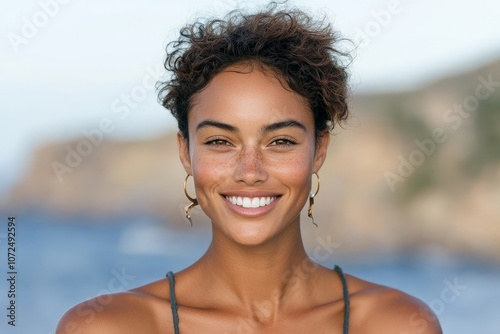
248 202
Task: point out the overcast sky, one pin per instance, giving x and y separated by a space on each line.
65 65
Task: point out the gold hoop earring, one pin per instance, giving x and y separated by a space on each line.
311 201
194 201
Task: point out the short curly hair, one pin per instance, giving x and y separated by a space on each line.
299 50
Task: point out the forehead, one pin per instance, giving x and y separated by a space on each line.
249 94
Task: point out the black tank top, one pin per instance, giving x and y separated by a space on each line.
345 291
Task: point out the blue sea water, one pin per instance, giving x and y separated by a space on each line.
60 264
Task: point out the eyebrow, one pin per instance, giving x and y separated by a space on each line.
284 124
216 124
266 128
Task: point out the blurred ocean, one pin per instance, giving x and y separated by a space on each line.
60 264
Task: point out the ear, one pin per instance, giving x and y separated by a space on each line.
183 145
321 149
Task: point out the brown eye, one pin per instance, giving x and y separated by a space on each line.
283 142
218 142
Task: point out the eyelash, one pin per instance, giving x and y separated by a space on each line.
217 142
288 142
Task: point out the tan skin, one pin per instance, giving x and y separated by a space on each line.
250 137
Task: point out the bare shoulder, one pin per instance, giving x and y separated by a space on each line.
380 309
141 310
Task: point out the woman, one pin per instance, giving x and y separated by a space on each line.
255 97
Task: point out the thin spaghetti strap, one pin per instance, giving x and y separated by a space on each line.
347 303
173 302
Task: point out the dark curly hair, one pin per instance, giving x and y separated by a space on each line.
299 50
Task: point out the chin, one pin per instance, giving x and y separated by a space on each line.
250 234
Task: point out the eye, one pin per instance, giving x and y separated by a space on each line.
217 142
283 142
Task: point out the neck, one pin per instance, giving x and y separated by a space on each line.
267 274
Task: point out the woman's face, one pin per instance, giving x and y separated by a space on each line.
252 153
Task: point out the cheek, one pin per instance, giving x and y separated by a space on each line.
295 170
209 172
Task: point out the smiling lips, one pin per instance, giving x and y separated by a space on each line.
248 202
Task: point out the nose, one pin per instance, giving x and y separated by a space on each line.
250 167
